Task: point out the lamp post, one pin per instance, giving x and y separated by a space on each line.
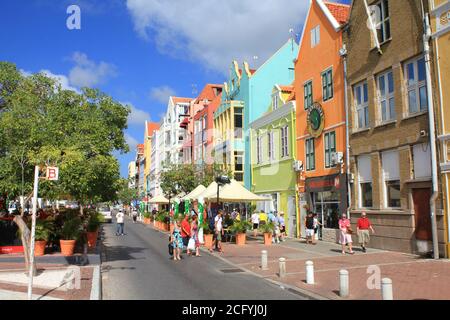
221 180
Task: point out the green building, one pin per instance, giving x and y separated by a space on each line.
273 151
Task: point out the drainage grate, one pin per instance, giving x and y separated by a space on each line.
232 270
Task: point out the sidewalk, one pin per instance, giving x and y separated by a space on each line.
413 277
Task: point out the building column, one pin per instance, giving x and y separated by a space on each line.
405 158
377 181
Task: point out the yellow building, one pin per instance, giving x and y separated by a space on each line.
440 25
150 127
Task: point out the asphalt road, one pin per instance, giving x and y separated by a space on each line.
137 266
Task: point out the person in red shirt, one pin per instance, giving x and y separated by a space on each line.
362 229
186 232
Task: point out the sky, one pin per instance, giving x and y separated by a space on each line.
142 51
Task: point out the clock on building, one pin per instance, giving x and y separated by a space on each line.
316 120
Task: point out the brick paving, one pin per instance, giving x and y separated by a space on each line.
413 277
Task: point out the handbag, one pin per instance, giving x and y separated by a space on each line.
171 249
191 244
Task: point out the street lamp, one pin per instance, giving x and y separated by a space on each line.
221 180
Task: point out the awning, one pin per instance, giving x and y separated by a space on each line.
195 193
234 192
184 123
159 200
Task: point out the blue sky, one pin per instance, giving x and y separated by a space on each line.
140 52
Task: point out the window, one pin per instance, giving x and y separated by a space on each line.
361 97
310 157
416 85
238 155
284 142
327 84
258 150
384 24
365 181
330 148
386 96
308 95
275 101
391 175
315 36
270 146
238 123
422 160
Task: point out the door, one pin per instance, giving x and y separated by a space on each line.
292 218
421 198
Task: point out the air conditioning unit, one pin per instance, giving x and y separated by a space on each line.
298 166
337 158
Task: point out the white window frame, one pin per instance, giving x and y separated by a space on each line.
384 21
310 153
387 97
308 97
271 149
364 181
327 85
388 179
315 36
328 153
258 150
416 85
275 101
285 142
364 106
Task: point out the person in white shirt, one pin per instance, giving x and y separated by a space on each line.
255 221
120 223
218 230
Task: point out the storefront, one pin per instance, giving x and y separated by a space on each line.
327 197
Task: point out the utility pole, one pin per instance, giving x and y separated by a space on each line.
33 231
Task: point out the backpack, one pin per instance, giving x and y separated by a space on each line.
310 222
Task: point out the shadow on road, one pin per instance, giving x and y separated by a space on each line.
122 253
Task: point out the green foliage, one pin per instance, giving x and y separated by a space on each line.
125 194
44 229
71 229
206 229
267 228
147 215
93 222
240 226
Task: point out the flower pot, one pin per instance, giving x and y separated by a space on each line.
146 220
92 239
67 247
166 227
240 239
208 240
267 239
39 247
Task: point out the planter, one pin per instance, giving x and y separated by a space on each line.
39 248
208 240
240 239
67 247
146 220
92 239
267 239
166 227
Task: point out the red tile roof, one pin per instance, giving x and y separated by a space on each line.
152 126
288 89
181 100
209 92
341 12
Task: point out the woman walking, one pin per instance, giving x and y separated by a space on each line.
177 241
346 233
194 228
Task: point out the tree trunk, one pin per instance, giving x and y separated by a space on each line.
26 242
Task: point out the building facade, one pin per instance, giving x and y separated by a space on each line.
132 175
440 40
388 123
140 181
273 151
150 128
321 121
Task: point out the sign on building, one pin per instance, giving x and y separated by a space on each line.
52 173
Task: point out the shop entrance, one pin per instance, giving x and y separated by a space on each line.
326 205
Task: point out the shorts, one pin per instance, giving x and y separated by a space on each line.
345 238
219 236
185 241
282 229
363 236
310 232
255 226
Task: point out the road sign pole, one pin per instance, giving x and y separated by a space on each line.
33 231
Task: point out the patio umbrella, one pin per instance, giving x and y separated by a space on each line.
193 195
159 200
234 192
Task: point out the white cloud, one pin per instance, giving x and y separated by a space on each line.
132 142
137 116
87 73
162 94
62 79
214 32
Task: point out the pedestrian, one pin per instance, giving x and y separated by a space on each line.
282 225
309 225
177 241
317 225
134 215
120 223
194 235
186 232
262 218
218 230
346 233
255 221
362 229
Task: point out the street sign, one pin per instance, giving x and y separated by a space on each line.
52 173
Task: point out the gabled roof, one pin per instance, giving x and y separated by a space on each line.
181 100
151 126
287 89
209 92
341 12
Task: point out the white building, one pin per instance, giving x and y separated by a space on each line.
132 175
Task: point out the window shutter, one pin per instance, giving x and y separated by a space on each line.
365 168
422 160
391 167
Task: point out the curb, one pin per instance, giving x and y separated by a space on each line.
96 287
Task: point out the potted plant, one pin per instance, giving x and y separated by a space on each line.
267 230
240 228
44 230
147 218
70 232
207 235
92 229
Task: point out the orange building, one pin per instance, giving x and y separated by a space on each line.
321 130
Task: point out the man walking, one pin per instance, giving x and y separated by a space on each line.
255 221
309 225
120 223
186 232
218 230
362 228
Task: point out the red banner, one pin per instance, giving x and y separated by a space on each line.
11 249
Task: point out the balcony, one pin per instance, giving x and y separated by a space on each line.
227 105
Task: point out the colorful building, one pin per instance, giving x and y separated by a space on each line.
150 128
320 114
440 25
132 175
389 125
273 152
140 181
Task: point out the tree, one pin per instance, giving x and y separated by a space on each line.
125 194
